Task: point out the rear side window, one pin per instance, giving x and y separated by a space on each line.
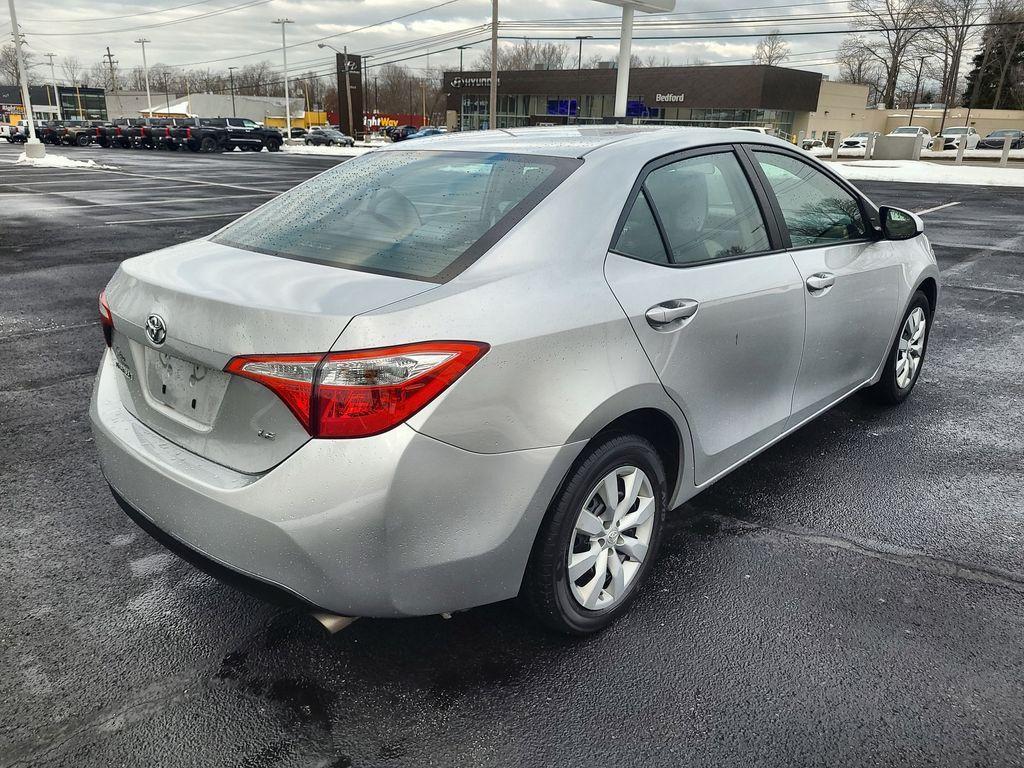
817 210
639 237
422 215
707 209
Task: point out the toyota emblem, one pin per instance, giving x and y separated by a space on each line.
156 330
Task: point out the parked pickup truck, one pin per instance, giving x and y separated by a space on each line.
231 132
12 133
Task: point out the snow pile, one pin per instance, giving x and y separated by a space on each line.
930 173
302 149
949 154
50 160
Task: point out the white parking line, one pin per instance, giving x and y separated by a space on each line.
178 218
936 208
176 200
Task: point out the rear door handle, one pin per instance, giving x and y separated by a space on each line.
669 312
820 281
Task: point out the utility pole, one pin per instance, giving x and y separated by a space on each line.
287 100
53 80
348 96
917 88
145 68
33 147
494 65
423 88
231 76
461 49
113 79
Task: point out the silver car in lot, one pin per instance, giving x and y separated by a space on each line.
454 372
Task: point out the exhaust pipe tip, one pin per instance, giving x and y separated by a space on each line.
333 622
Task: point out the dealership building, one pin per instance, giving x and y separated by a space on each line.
76 103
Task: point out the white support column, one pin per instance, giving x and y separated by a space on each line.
33 147
960 150
625 50
1007 143
835 145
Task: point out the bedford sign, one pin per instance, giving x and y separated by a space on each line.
670 97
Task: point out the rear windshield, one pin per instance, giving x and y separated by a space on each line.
422 215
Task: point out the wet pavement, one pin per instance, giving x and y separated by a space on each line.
854 596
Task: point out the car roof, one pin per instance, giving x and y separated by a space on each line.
577 141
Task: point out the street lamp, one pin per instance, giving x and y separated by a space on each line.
53 79
33 147
348 87
145 68
287 100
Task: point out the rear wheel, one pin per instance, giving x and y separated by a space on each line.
273 145
903 365
84 140
208 144
599 538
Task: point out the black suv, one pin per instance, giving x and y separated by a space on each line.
243 133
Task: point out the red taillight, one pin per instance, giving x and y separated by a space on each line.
106 319
188 133
360 393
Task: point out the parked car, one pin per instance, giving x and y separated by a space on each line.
12 133
298 133
812 144
951 138
857 140
424 133
379 395
996 139
912 130
402 132
327 137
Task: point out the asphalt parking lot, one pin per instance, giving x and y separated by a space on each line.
854 596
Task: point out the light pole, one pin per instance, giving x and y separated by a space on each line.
917 87
231 76
579 74
287 100
461 49
33 147
348 87
53 79
145 68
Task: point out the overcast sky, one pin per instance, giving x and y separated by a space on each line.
249 29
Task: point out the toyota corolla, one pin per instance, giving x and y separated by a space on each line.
486 366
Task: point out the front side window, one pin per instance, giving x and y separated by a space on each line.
707 209
817 210
408 214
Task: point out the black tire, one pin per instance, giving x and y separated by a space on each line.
307 142
546 592
84 140
888 391
273 145
208 144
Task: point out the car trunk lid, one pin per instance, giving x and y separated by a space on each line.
182 313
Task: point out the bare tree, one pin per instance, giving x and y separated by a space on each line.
858 65
771 49
71 68
9 71
944 44
528 55
898 23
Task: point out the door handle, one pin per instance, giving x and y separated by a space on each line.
820 281
668 312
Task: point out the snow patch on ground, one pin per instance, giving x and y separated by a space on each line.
930 173
50 160
302 149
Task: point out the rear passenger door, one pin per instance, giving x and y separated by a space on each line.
850 277
714 299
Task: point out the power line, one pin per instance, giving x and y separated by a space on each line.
208 14
67 20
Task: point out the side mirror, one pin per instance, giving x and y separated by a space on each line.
898 224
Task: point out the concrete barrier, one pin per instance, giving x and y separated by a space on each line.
1007 142
898 148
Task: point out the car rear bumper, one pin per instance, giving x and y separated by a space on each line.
397 524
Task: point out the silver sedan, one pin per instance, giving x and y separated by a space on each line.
486 366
